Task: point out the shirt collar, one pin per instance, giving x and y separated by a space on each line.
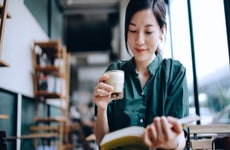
152 67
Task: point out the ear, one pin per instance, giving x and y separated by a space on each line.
161 38
163 30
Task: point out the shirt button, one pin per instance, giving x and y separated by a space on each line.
141 120
142 93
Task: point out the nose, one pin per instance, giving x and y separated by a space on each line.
140 39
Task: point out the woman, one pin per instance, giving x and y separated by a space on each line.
155 90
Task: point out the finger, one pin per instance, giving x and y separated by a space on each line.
147 136
104 77
153 134
166 128
101 92
102 86
176 125
105 86
160 134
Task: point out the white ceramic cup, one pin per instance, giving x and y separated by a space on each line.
116 79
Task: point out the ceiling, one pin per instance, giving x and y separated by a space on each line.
89 2
72 7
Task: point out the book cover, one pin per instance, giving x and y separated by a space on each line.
126 138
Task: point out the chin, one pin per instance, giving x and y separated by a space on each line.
140 59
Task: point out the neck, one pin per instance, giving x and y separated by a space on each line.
142 67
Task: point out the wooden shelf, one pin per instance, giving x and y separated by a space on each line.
44 128
7 15
51 44
3 16
4 116
51 51
34 136
50 119
51 47
51 73
4 64
50 69
47 94
47 68
68 146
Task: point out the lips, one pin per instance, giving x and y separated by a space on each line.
139 50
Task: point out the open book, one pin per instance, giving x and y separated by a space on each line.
131 137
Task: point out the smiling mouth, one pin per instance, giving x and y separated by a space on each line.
140 50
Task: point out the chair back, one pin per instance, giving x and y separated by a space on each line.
204 136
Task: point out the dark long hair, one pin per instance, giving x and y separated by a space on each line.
158 9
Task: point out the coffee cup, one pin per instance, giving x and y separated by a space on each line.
116 80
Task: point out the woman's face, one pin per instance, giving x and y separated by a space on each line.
144 34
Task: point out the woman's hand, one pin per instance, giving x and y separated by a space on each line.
164 132
102 93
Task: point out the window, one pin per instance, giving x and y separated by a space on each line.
211 53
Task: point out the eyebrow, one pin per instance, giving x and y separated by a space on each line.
148 25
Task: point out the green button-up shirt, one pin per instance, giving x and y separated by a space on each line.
164 94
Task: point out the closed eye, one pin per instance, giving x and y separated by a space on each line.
132 31
148 32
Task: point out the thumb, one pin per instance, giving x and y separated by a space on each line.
176 125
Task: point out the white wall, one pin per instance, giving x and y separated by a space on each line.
20 33
123 5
